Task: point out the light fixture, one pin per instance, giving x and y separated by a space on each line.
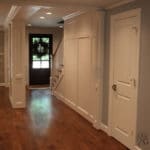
42 17
29 25
60 26
48 13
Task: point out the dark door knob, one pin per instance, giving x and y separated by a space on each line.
114 87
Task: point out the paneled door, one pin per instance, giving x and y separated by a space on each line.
40 51
124 86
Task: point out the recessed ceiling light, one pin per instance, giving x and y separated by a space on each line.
29 25
42 17
48 13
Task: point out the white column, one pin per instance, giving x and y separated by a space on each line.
17 83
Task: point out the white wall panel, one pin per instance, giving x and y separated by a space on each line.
70 62
84 74
83 53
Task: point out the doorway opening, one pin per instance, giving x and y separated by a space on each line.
40 54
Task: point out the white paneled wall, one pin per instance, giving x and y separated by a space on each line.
82 84
17 92
70 62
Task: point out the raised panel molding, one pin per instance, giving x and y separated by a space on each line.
17 86
83 42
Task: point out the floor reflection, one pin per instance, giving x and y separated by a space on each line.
40 109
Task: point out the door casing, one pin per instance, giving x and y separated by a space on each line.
130 13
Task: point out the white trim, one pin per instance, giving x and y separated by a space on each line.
86 115
12 13
137 13
137 148
76 108
97 125
7 85
2 84
75 14
119 4
17 105
104 128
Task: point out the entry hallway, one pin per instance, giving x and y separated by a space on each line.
48 124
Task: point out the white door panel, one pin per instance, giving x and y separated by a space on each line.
71 70
124 45
84 74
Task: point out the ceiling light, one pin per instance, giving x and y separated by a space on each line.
42 17
29 25
48 13
60 26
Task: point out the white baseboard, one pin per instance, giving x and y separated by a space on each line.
2 84
7 85
137 148
86 115
104 128
76 108
83 113
101 126
97 125
17 105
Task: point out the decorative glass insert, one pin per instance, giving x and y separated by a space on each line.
40 53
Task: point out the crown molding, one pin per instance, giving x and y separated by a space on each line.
12 13
119 4
75 14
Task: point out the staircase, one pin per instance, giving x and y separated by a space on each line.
57 67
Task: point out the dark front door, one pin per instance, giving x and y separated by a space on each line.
40 51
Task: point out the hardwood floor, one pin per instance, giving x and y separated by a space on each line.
48 124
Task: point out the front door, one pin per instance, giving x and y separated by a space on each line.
125 38
40 52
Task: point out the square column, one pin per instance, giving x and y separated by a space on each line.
17 64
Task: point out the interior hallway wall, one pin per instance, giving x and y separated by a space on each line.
57 37
81 87
143 122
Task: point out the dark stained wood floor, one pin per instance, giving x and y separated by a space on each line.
48 124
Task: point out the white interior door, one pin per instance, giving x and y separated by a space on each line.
125 77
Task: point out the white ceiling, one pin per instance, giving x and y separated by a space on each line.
95 3
32 10
36 12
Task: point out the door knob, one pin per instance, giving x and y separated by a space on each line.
114 87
